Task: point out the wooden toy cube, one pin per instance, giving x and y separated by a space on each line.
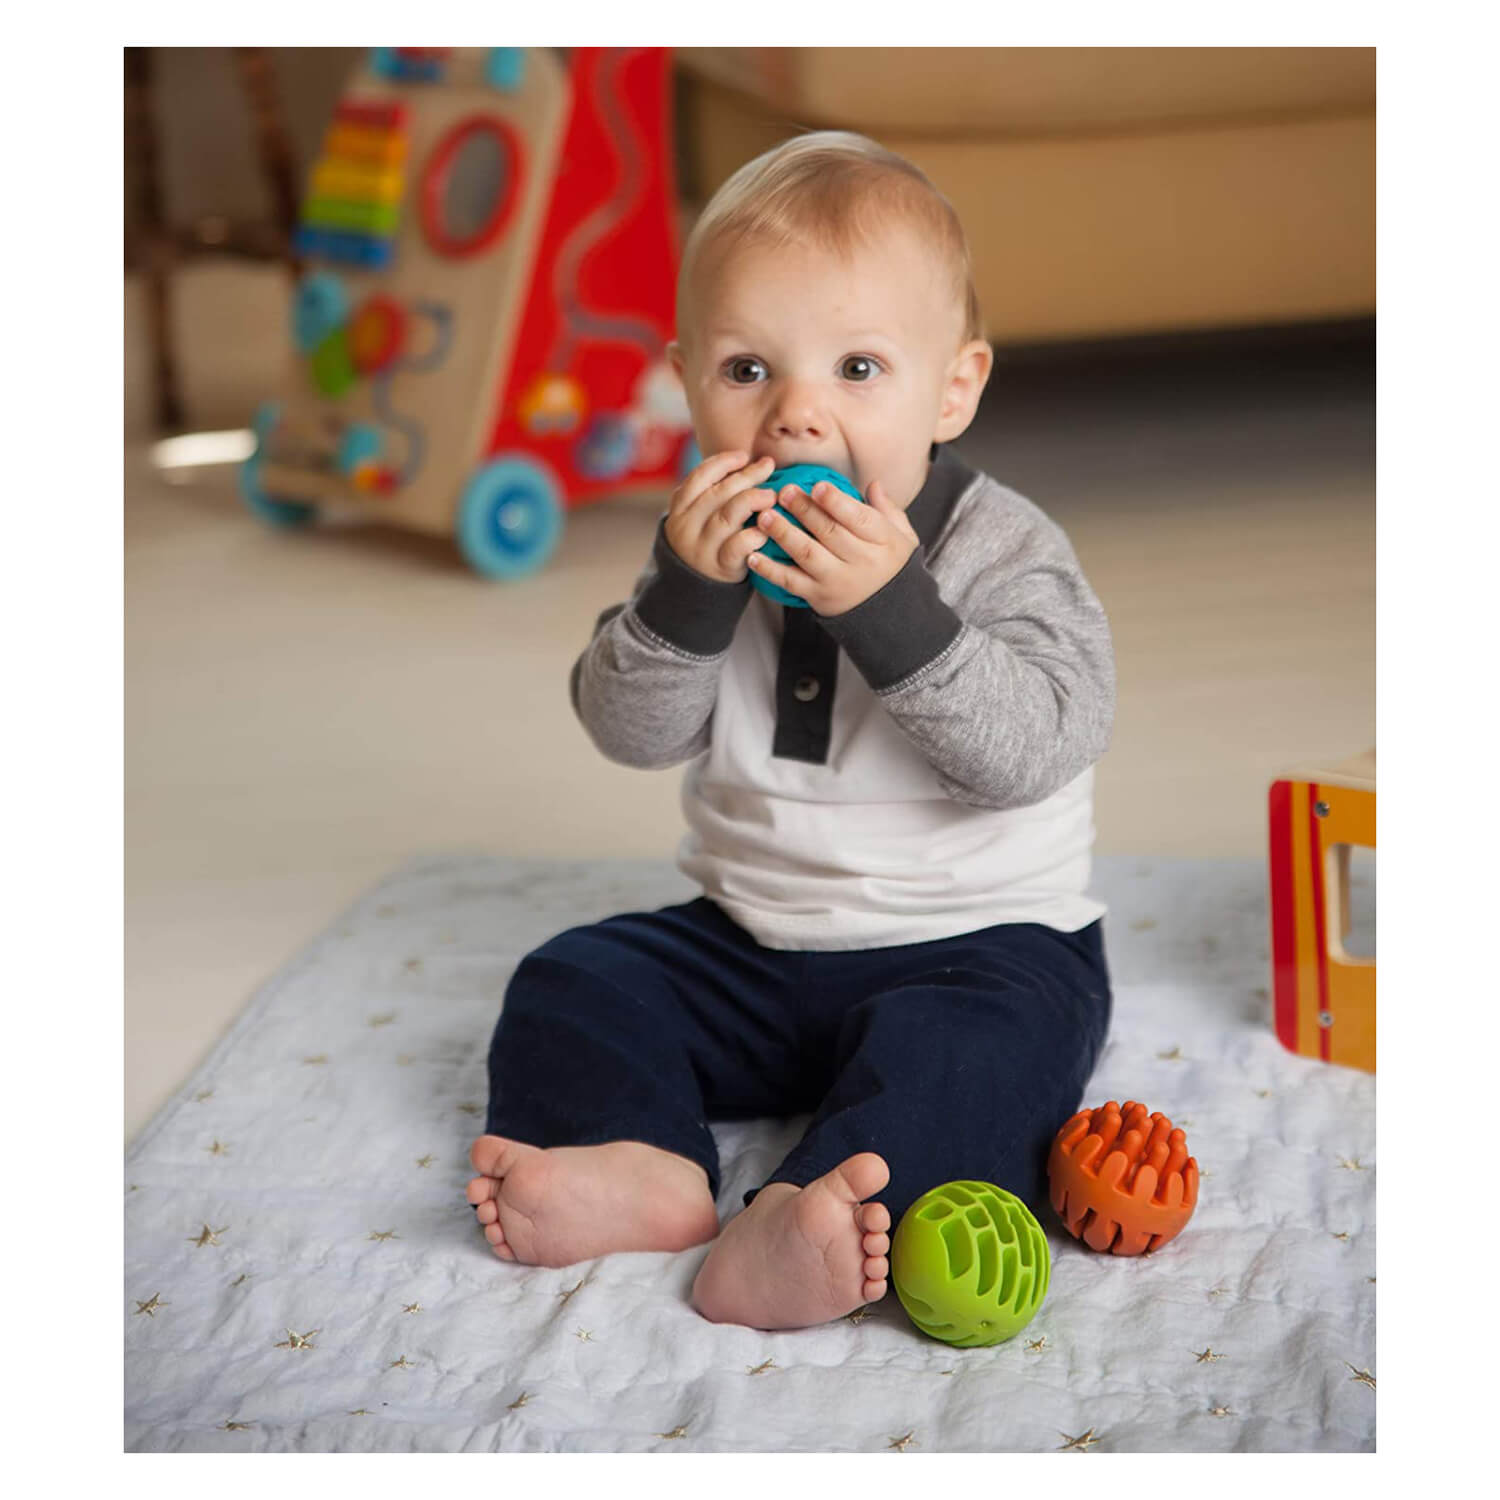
1324 996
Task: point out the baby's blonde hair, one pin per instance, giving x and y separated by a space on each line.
836 188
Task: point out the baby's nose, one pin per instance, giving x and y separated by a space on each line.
797 414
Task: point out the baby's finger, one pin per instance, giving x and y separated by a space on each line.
742 503
824 519
705 476
731 495
793 580
808 554
737 547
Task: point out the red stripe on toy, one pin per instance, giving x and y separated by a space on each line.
1320 916
1283 917
373 116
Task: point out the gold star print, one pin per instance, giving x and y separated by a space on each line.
413 966
521 1401
858 1315
238 1279
1220 1411
360 1411
206 1094
568 1294
1370 1279
1262 1093
1208 1356
235 1426
405 1060
1037 1345
1172 1055
469 1109
1219 1291
584 1336
208 1237
1143 924
382 1020
761 1369
1343 1234
385 911
322 1057
383 1234
149 1308
401 1364
217 1149
1362 1376
676 1432
426 1161
412 1307
1352 1166
298 1340
902 1443
1080 1444
135 1187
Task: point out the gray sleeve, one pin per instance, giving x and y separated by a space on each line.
645 686
1009 691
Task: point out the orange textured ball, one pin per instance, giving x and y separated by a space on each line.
1122 1181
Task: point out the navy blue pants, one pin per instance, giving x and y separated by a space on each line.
959 1058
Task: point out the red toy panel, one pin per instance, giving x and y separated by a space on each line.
589 390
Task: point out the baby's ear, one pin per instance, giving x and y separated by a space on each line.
674 357
967 377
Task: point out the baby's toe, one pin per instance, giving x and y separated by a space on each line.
877 1244
873 1218
481 1189
496 1236
487 1213
875 1290
877 1268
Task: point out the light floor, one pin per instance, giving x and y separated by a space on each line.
305 712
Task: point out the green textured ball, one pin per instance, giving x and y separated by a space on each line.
970 1264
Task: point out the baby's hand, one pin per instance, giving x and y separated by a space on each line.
706 519
848 552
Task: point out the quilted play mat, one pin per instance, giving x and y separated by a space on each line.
302 1272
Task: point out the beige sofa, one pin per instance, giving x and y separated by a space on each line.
1106 191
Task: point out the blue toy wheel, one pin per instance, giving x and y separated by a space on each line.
510 518
285 515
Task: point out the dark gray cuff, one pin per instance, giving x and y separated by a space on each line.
899 628
687 610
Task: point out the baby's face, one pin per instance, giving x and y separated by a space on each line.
798 354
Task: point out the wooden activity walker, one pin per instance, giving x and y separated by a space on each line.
478 341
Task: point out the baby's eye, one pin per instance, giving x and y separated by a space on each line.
859 368
737 366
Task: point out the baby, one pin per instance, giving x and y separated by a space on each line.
888 793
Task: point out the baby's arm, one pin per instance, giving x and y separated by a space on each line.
1009 692
645 686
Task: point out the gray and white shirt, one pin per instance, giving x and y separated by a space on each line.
918 767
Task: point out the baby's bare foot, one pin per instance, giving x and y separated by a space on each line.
573 1203
800 1256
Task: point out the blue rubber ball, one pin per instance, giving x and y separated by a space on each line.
804 476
